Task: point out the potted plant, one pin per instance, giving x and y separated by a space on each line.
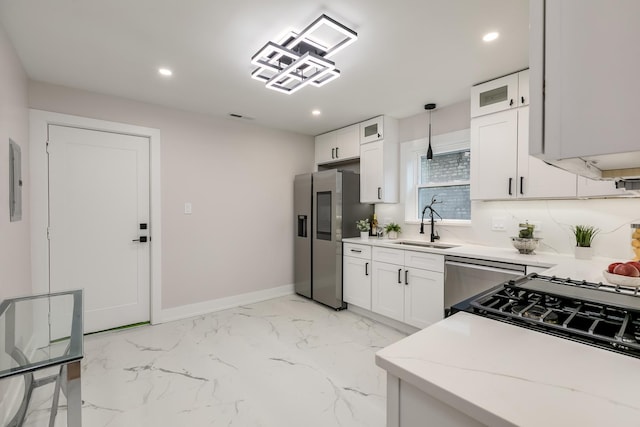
584 235
364 227
525 243
392 230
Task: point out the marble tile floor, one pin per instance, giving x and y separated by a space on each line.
278 363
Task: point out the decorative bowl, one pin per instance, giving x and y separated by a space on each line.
525 246
617 279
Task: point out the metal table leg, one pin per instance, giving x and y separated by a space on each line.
72 389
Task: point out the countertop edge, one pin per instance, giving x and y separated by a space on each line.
455 401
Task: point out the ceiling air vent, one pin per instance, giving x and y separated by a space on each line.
240 116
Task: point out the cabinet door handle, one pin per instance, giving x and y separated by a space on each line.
522 99
379 193
337 156
358 251
333 153
521 183
399 272
379 136
366 268
406 278
510 182
511 103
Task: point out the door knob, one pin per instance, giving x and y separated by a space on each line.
141 239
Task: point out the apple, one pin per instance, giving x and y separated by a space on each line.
626 270
612 266
635 264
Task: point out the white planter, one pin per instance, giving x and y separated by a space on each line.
584 253
392 234
364 235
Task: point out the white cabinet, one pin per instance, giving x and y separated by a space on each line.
584 77
405 290
423 297
500 94
501 167
379 163
387 290
356 275
338 145
372 130
371 173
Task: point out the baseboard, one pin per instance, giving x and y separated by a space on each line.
198 309
392 323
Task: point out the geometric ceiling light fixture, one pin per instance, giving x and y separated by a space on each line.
301 59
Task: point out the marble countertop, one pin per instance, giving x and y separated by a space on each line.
504 375
561 265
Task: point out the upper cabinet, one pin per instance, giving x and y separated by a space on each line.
500 94
379 162
338 145
372 130
584 84
501 167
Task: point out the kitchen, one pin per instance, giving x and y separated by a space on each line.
198 172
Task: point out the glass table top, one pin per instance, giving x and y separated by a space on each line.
40 331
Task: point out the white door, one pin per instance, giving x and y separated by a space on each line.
98 210
494 154
536 179
387 290
356 287
371 172
423 297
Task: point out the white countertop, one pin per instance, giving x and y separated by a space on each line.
505 375
561 265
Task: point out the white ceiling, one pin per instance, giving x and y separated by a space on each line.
408 53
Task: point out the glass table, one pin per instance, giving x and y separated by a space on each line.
38 333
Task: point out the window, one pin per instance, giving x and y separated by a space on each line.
446 176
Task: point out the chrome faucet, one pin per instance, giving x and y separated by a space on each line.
434 236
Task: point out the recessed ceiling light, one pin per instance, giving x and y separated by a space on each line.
316 112
165 71
489 37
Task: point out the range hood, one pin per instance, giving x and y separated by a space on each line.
618 166
584 108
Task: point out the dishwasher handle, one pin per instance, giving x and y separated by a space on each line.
485 268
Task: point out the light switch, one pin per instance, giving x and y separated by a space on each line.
498 223
187 208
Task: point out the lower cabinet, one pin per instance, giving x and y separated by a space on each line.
356 277
423 297
407 286
405 292
387 290
356 274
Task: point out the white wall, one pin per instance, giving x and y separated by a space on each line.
612 216
238 178
15 265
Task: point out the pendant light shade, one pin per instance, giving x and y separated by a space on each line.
430 107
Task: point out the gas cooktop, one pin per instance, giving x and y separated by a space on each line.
598 314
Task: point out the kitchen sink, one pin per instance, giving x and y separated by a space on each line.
425 244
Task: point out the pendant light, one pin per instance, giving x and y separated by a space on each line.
430 107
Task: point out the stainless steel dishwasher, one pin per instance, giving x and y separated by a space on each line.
466 277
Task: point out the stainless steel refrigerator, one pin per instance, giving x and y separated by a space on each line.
327 206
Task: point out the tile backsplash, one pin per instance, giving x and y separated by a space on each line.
553 219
